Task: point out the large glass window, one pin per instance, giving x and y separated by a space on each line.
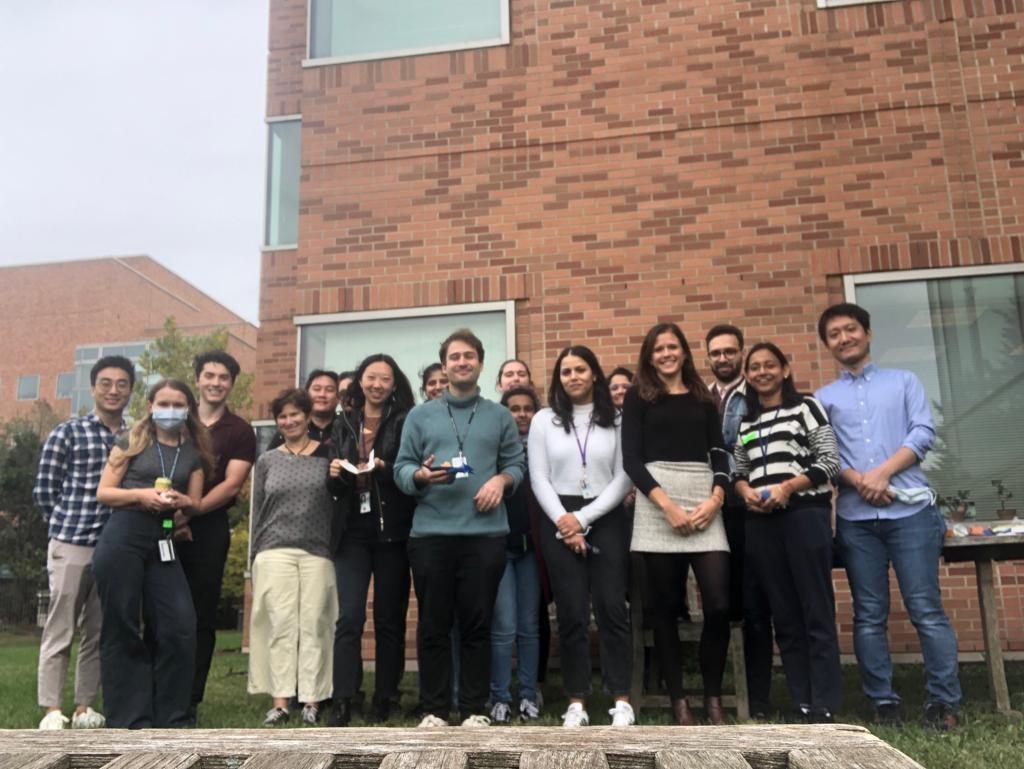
28 387
412 341
963 335
65 384
284 167
85 358
354 30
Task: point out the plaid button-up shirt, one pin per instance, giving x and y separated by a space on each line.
70 466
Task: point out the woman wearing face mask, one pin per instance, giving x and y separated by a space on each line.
153 472
295 603
673 450
576 472
434 381
513 373
515 622
786 458
370 538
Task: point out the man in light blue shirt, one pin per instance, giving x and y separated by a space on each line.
887 514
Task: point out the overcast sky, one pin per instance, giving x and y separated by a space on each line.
136 127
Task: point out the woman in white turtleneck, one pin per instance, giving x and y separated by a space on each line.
576 474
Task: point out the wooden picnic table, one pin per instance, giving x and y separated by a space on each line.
644 747
983 551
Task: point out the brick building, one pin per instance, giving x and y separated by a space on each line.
560 171
60 318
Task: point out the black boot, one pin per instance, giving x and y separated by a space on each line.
341 713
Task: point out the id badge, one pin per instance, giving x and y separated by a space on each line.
459 462
586 488
364 502
166 547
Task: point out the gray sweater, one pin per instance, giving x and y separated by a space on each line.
291 506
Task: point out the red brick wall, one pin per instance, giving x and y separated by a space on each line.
628 161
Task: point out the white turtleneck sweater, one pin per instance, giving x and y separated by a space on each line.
556 466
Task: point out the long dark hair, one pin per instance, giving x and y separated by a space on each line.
790 395
649 385
561 404
402 398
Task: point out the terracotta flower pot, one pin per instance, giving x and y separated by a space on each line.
958 513
1006 514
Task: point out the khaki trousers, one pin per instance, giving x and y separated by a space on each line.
74 602
291 638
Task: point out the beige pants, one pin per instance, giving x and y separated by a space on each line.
74 602
291 638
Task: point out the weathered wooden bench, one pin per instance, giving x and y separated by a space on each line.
645 747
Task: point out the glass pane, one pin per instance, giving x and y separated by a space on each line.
87 354
133 351
113 349
365 28
413 342
284 166
65 384
28 387
964 337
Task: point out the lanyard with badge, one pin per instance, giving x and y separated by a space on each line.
459 463
586 488
364 496
164 483
762 435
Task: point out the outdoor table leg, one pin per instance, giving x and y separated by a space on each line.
990 630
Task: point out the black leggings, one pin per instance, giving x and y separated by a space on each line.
666 597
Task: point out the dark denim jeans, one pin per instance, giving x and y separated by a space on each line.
912 545
516 623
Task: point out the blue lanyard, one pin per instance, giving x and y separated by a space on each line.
762 443
174 465
583 446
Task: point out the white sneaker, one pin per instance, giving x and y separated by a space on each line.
475 722
501 713
90 719
54 720
622 714
575 716
430 720
528 709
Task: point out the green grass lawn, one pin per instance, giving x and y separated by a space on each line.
985 739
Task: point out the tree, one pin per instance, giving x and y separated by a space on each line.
170 357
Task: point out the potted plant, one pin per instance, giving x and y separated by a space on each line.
1005 513
958 507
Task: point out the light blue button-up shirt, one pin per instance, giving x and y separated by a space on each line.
874 414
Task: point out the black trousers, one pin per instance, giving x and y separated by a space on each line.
203 561
147 682
791 555
749 602
354 563
455 577
598 578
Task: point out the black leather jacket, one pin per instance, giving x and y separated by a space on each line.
392 508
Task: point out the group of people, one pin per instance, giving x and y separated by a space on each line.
491 509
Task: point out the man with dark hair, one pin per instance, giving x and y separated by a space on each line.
70 466
322 389
460 457
886 514
747 600
207 535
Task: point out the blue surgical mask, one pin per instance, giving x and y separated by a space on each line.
170 419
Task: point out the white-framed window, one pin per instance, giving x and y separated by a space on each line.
65 385
961 330
411 336
359 30
284 168
28 387
85 357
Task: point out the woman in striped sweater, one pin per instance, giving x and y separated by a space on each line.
786 458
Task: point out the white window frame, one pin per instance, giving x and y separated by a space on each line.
56 386
17 387
264 248
850 282
507 306
503 39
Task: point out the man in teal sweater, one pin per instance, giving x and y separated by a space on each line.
460 457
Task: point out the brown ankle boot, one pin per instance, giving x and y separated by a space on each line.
683 714
713 710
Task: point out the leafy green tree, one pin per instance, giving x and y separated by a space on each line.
170 356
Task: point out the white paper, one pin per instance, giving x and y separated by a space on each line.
346 465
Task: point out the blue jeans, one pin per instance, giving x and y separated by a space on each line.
913 546
515 622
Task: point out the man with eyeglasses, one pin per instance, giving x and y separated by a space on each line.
70 466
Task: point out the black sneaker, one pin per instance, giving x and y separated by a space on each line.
888 714
939 715
381 710
821 717
341 713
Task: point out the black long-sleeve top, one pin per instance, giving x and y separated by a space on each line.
674 428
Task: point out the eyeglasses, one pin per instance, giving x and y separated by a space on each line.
121 385
728 352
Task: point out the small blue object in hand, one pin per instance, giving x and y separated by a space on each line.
765 493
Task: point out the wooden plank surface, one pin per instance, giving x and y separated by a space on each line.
880 756
149 760
426 759
700 759
289 760
563 759
990 633
34 760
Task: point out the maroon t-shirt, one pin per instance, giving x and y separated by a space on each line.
232 438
